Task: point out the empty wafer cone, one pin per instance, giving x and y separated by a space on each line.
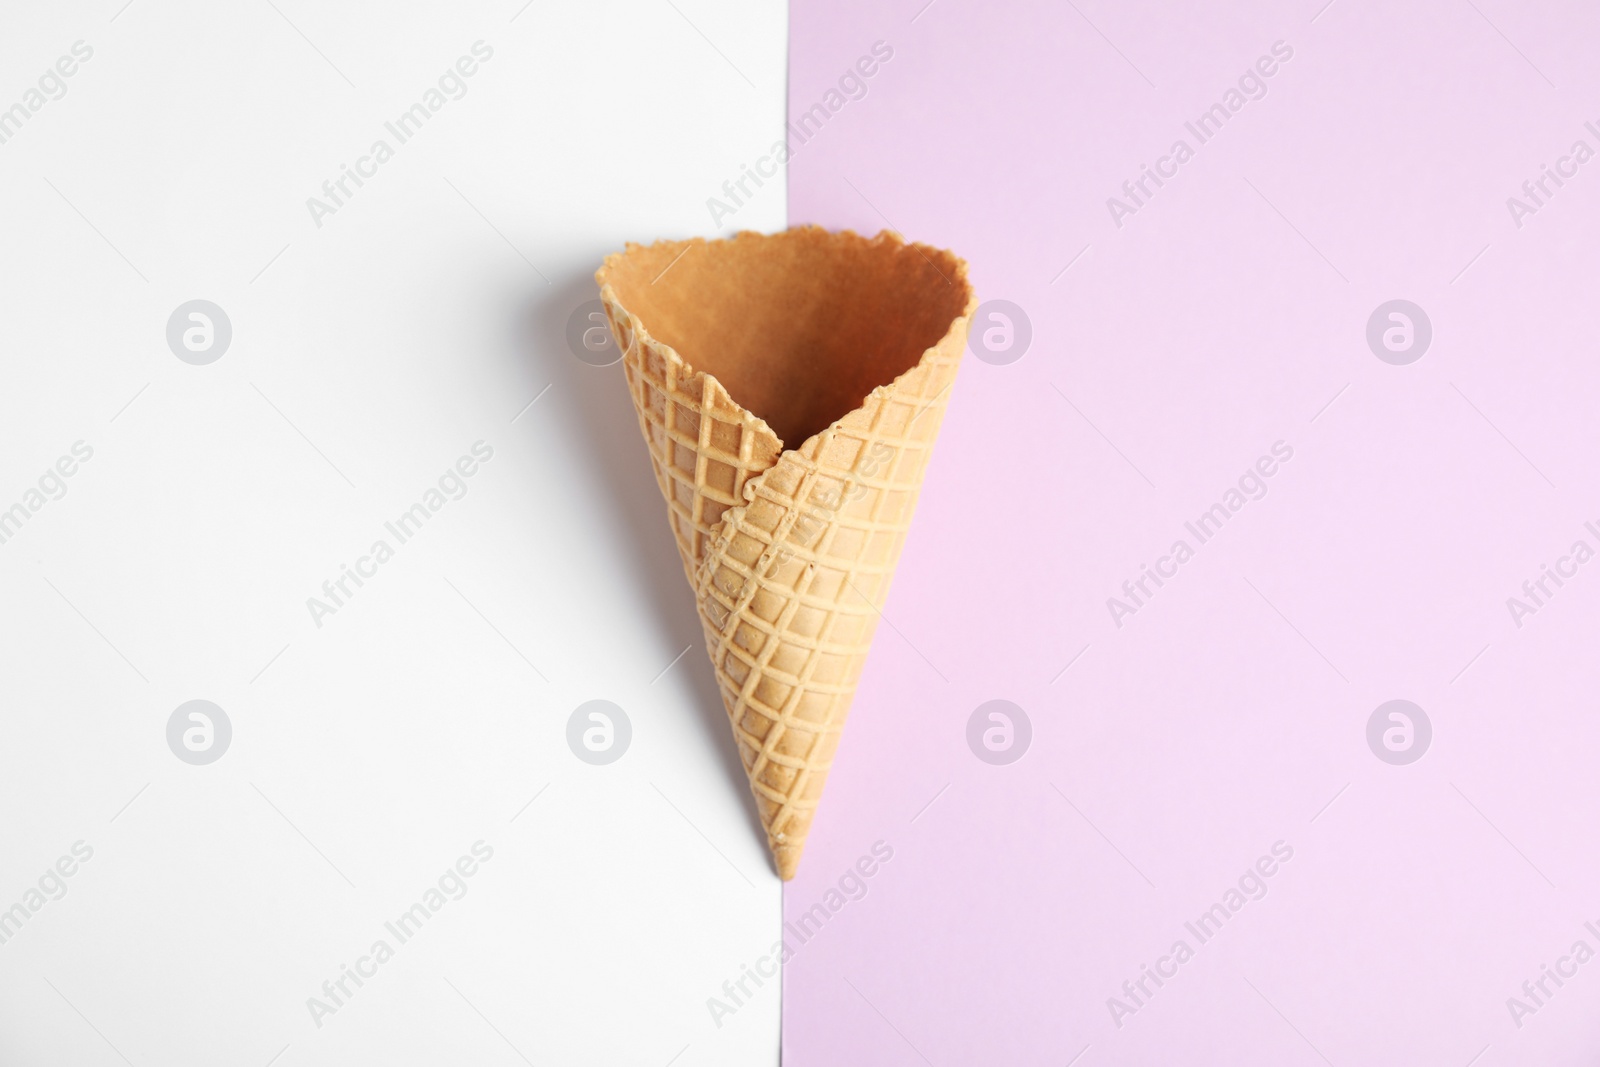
789 388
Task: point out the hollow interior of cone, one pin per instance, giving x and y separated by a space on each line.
800 326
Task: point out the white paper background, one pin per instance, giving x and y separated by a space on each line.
369 754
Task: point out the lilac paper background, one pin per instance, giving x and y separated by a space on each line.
1227 314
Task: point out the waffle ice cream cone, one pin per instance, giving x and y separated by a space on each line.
789 388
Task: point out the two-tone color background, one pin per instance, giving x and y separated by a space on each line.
1340 346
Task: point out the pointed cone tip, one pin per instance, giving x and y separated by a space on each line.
718 405
787 859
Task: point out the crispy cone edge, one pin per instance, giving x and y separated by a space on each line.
740 567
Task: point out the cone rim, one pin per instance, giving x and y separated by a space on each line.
642 333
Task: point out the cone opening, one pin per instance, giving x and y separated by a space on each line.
797 326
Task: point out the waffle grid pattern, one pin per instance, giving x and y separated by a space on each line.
704 447
789 592
789 552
